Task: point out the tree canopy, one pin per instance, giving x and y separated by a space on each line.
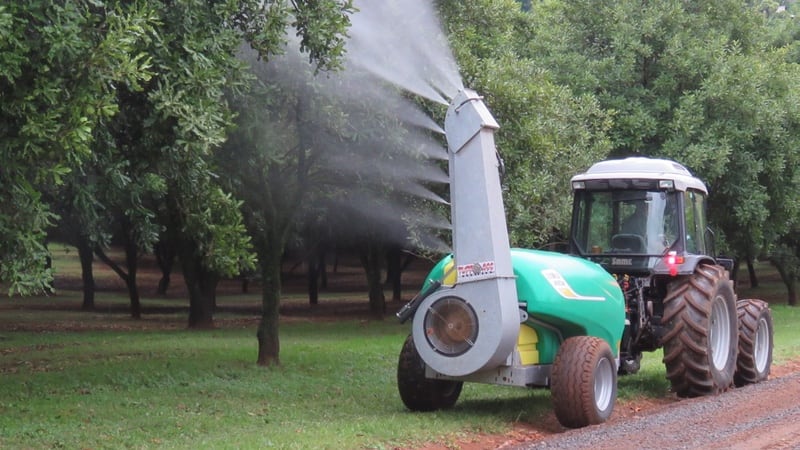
59 65
132 93
712 85
548 132
115 113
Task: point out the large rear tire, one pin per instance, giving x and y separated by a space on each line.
584 382
755 342
700 345
417 392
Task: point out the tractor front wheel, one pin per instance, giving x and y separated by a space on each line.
584 382
755 342
700 345
417 392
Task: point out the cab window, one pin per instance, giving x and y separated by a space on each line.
695 209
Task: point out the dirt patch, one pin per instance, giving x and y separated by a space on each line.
759 416
632 411
522 432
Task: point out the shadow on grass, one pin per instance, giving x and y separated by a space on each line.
505 405
651 382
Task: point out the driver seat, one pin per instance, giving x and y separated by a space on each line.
628 243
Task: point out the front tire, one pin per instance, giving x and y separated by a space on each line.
700 345
755 342
417 392
584 382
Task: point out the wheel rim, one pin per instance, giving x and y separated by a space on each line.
719 333
761 349
603 384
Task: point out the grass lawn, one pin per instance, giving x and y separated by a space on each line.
73 379
183 389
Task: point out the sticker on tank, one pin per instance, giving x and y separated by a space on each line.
561 286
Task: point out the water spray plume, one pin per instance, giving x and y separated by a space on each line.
365 209
402 42
421 192
366 134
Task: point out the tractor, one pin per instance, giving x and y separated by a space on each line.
644 221
491 314
572 323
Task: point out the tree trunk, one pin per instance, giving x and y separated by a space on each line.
268 340
87 275
129 277
245 283
323 269
202 299
789 279
371 260
165 258
132 260
313 278
751 271
394 272
201 284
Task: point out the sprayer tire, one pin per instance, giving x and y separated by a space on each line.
755 342
700 345
583 382
417 392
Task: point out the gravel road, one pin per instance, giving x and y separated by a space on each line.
761 416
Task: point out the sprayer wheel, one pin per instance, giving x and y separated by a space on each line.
584 382
700 345
755 342
417 392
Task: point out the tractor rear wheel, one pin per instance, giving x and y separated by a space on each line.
584 382
755 342
700 345
417 392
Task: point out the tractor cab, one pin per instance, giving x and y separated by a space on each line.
640 215
644 221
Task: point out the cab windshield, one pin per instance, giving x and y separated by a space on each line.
625 222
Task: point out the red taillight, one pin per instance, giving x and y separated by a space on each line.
673 261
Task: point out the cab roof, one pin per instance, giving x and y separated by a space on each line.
637 167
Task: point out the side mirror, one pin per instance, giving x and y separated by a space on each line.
710 242
727 263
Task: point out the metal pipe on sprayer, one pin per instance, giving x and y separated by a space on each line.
472 325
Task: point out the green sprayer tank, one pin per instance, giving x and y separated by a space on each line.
564 296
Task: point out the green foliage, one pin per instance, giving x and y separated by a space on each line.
712 86
59 63
547 133
740 130
220 231
184 115
130 96
22 251
639 59
320 25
